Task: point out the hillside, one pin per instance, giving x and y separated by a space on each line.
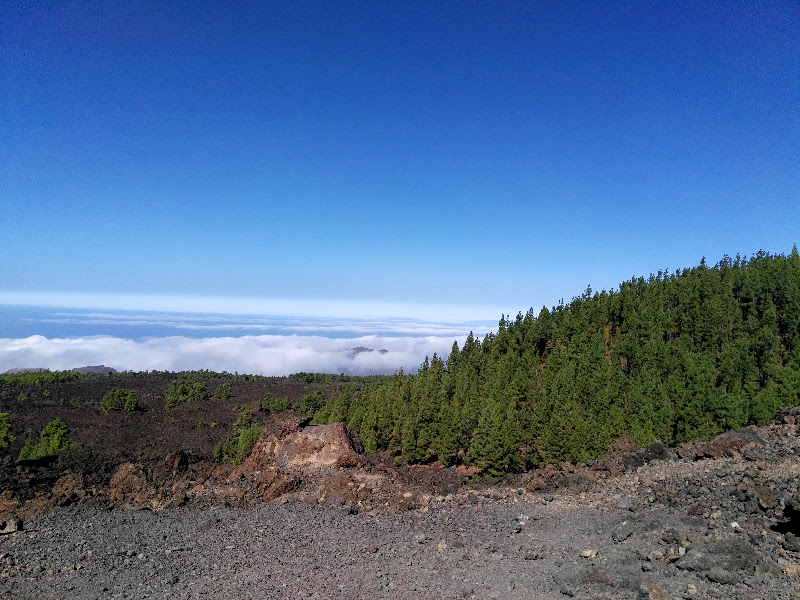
638 443
308 515
673 357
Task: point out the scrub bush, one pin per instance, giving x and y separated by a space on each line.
271 403
119 399
5 425
52 439
183 390
240 441
223 391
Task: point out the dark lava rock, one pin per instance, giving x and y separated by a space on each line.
729 555
654 451
718 575
623 531
11 524
791 543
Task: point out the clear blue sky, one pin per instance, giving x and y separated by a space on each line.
490 153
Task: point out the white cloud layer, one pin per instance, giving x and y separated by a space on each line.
254 354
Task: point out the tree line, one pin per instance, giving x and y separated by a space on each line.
676 356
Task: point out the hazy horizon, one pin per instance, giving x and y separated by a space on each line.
60 338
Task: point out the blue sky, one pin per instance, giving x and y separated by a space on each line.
497 155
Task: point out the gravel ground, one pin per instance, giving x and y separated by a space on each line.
492 544
717 519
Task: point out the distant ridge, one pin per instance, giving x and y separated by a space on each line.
94 369
90 369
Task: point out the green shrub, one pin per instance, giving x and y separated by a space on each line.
312 403
131 403
119 399
5 425
223 391
240 441
76 401
274 404
52 439
22 398
185 389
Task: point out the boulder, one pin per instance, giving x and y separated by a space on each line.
728 555
612 461
308 449
11 524
654 451
730 442
623 531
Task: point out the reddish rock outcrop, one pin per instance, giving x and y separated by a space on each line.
305 450
129 485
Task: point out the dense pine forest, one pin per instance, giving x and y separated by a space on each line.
675 357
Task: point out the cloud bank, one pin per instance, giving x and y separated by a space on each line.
254 354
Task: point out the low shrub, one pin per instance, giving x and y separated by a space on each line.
240 441
52 439
273 404
312 403
119 399
185 389
223 391
5 426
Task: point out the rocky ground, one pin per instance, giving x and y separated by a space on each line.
308 516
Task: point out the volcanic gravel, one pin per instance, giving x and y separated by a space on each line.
492 544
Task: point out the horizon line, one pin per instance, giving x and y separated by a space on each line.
252 305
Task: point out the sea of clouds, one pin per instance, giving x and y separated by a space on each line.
265 345
255 354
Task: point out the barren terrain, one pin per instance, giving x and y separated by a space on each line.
141 511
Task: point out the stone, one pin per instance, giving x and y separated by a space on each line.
304 450
648 591
730 555
589 553
791 542
729 443
622 531
724 577
655 556
766 498
11 524
626 503
654 451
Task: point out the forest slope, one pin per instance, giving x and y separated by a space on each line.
674 357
